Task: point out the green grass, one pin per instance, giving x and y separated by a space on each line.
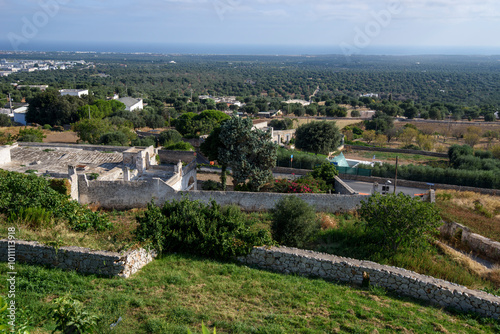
179 291
118 238
350 240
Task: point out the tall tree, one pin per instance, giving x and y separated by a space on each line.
318 137
249 153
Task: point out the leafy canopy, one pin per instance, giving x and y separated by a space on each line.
318 137
250 153
399 220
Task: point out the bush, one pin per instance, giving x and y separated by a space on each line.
180 146
5 120
146 141
169 136
115 138
293 222
71 317
399 219
30 135
326 172
22 191
193 227
305 184
211 185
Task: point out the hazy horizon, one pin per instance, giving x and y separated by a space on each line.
242 49
238 27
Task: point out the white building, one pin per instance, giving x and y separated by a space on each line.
74 92
131 104
20 115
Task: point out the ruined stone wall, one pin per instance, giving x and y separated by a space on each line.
477 243
404 282
80 259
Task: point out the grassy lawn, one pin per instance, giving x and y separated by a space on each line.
177 292
120 237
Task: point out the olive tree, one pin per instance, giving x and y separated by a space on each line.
248 152
318 137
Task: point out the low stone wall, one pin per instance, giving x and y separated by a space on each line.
343 188
396 150
173 157
401 281
249 201
418 184
477 243
80 259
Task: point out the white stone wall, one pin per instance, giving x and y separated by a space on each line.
5 154
405 282
80 259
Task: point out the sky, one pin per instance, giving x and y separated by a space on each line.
347 26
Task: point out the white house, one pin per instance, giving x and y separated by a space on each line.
74 92
131 104
20 115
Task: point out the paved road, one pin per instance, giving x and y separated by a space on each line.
367 188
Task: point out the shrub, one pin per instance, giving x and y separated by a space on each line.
146 141
169 136
326 172
30 135
62 186
71 317
35 218
293 222
211 185
305 184
399 220
21 191
193 227
5 120
179 146
115 138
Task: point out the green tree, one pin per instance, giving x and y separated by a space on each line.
293 221
380 122
326 172
210 148
5 120
249 153
169 136
318 137
91 130
399 220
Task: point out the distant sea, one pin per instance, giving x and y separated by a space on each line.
226 49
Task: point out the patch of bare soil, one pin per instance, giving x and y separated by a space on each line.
61 137
213 177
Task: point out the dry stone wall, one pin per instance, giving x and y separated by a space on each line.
401 281
477 243
80 259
